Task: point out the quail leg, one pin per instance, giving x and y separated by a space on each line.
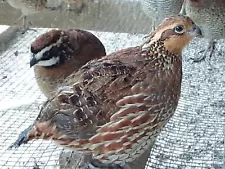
210 48
26 24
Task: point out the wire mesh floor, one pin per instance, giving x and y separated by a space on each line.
194 138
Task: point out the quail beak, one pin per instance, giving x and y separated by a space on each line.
33 61
195 31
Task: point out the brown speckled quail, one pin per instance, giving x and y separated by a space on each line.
28 7
115 107
58 53
157 10
209 15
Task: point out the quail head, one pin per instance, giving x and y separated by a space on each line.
115 107
209 15
157 10
58 53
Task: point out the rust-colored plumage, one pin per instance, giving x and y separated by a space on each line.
116 106
58 53
209 15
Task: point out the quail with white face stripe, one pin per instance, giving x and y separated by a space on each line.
58 53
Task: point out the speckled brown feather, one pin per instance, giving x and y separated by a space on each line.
78 47
115 107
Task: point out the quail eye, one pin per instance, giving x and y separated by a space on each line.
179 29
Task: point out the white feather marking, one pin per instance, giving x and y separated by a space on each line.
126 144
65 89
114 157
140 115
133 104
39 55
145 47
73 143
53 128
127 106
49 62
62 136
94 146
135 136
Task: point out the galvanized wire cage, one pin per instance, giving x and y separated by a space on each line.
194 137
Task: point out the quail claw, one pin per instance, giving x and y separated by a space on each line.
210 49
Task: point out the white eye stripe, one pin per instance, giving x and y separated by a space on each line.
49 62
40 54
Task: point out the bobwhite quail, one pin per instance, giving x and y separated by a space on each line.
58 53
115 107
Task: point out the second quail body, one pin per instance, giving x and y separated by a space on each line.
209 15
157 10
